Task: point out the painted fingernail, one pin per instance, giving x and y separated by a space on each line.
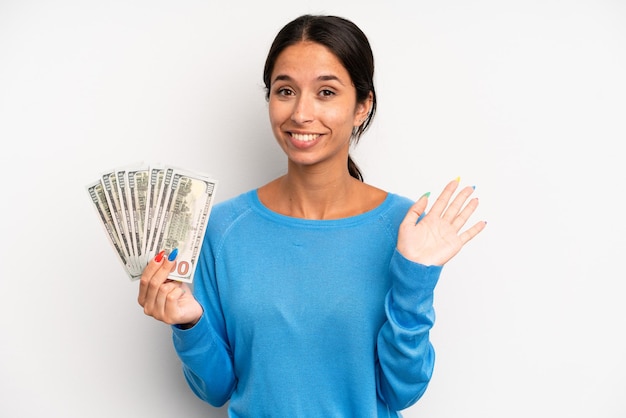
427 194
159 256
173 255
474 187
420 218
458 179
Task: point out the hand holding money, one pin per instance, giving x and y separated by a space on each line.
169 301
151 209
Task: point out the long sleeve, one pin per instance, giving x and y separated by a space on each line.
405 354
203 349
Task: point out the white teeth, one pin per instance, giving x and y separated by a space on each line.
304 137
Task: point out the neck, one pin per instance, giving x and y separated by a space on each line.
316 192
312 193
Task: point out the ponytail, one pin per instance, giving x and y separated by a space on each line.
354 169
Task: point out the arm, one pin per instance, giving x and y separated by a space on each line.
203 348
425 244
405 354
198 330
207 364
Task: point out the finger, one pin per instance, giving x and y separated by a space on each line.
444 198
457 204
168 296
472 232
465 214
146 276
159 277
417 210
155 282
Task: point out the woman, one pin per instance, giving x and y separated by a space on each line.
313 293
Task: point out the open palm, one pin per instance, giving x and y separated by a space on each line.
437 237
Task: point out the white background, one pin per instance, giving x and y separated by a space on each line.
524 99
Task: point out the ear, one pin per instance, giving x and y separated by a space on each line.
363 109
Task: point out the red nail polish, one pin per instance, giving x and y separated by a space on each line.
159 256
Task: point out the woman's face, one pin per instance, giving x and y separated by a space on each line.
312 105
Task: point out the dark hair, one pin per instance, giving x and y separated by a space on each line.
349 44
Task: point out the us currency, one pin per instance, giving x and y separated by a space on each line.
138 181
152 197
186 214
126 213
164 179
109 181
151 208
96 191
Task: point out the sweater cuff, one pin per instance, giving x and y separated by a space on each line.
190 338
410 276
411 295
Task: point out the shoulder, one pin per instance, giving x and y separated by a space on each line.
391 202
391 207
399 202
227 212
395 207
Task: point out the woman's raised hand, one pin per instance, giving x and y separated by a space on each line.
437 237
167 300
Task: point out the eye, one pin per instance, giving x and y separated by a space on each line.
327 93
284 91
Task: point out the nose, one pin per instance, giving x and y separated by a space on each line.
303 110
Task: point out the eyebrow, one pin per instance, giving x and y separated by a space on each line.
329 77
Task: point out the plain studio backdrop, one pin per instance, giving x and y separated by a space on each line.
524 99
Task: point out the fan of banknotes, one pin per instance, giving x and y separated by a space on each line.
145 210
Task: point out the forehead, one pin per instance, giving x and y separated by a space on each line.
308 59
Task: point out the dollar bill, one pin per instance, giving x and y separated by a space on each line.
155 180
186 213
148 209
96 191
138 182
109 182
164 179
126 213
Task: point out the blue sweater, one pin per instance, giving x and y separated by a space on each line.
308 318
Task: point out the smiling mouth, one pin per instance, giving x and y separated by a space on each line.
304 137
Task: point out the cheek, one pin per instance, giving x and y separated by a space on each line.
341 117
341 113
278 112
276 119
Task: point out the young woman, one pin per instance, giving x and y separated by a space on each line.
313 296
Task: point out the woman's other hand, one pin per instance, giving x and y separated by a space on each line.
435 237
